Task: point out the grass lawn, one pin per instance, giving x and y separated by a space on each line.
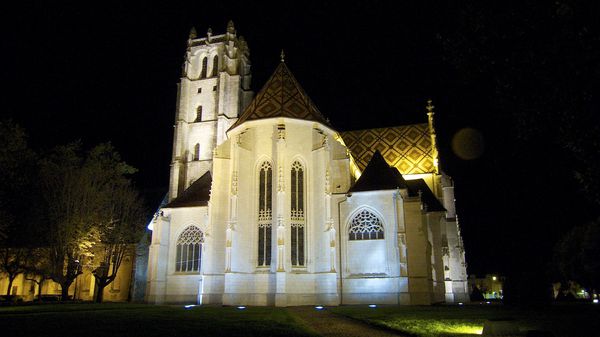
112 320
562 320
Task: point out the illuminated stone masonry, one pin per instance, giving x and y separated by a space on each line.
285 210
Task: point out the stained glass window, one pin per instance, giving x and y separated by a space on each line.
365 226
297 228
189 250
265 218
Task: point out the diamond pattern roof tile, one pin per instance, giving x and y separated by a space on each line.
411 147
281 96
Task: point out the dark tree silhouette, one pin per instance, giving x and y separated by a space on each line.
576 256
16 166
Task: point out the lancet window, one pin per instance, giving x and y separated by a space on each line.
204 67
297 216
189 250
365 226
215 68
196 155
199 114
265 218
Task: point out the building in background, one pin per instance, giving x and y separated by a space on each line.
25 289
490 286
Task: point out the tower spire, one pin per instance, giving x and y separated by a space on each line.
282 56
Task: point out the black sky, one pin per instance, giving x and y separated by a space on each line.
109 73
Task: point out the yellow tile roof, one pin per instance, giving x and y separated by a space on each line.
407 147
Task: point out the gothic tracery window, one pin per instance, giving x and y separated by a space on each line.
297 214
215 68
189 250
365 226
204 67
265 218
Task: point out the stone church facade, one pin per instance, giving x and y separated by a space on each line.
269 204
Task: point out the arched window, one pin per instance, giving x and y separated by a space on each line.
196 155
215 68
297 216
199 113
204 67
365 226
189 250
265 218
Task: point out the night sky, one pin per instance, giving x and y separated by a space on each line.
109 73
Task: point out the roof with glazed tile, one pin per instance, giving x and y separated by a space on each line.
407 148
281 96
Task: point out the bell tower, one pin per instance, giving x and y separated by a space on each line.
213 90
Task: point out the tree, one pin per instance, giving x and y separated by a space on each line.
16 166
536 66
118 236
576 256
78 192
38 269
528 77
13 263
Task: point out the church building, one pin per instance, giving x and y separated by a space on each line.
269 204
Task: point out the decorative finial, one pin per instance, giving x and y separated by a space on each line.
209 32
230 27
434 151
429 106
282 56
193 33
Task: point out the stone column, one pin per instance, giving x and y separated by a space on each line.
280 198
228 241
281 287
329 227
233 204
158 261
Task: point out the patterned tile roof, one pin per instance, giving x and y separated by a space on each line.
407 148
281 96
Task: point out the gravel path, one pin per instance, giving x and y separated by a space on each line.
328 324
